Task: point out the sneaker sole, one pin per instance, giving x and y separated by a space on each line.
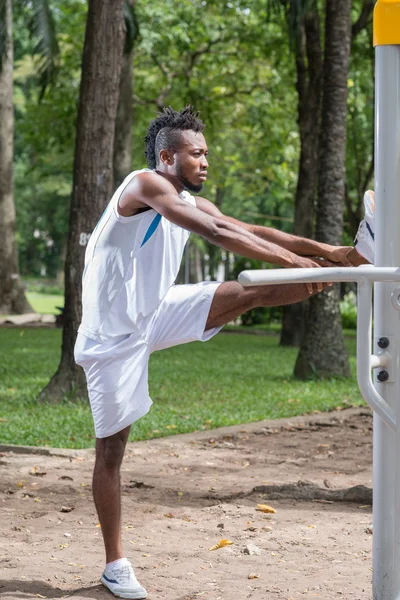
127 596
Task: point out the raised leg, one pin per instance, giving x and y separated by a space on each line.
232 299
107 490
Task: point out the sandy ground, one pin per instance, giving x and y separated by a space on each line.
182 495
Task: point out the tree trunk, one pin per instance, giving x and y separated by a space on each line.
12 296
93 170
123 143
309 89
323 352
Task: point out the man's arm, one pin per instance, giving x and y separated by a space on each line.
296 245
158 193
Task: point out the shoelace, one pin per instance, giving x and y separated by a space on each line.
124 574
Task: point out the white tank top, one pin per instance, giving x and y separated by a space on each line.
130 264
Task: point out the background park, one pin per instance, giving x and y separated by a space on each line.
279 85
270 407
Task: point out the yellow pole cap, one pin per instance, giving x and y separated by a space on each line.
387 23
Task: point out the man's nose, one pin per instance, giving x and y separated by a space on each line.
204 162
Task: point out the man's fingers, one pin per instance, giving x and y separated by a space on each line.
318 286
326 263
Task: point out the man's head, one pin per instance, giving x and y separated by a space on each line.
175 145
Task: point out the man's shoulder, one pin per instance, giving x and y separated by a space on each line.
150 182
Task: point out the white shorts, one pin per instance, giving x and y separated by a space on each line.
117 370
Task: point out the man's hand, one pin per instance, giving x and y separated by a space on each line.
303 262
339 255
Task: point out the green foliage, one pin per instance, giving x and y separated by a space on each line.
234 64
44 142
348 311
41 26
232 379
131 24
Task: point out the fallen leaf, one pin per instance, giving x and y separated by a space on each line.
170 427
169 516
221 544
265 508
67 509
5 421
62 546
252 576
36 471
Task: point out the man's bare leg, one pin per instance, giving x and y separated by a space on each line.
107 490
232 299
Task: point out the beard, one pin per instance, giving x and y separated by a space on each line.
188 185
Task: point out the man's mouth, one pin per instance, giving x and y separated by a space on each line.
203 176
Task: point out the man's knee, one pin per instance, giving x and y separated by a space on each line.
110 450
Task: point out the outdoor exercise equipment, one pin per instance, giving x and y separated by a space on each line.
383 395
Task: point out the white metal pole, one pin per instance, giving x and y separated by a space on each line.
386 471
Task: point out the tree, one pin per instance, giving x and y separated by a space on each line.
93 170
123 141
323 352
304 29
40 26
303 24
12 296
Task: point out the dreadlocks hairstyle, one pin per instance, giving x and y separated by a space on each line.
164 131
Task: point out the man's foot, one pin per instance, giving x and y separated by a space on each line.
365 238
121 581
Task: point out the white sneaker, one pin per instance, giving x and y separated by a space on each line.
365 238
121 581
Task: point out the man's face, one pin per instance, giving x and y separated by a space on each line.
191 161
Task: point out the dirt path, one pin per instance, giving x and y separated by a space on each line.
184 494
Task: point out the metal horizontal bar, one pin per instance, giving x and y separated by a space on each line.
325 275
364 276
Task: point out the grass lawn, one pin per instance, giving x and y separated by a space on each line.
231 379
45 303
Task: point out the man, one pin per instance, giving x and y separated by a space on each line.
131 306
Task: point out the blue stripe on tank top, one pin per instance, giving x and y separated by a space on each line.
370 231
152 227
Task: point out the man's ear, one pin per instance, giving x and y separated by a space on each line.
166 157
